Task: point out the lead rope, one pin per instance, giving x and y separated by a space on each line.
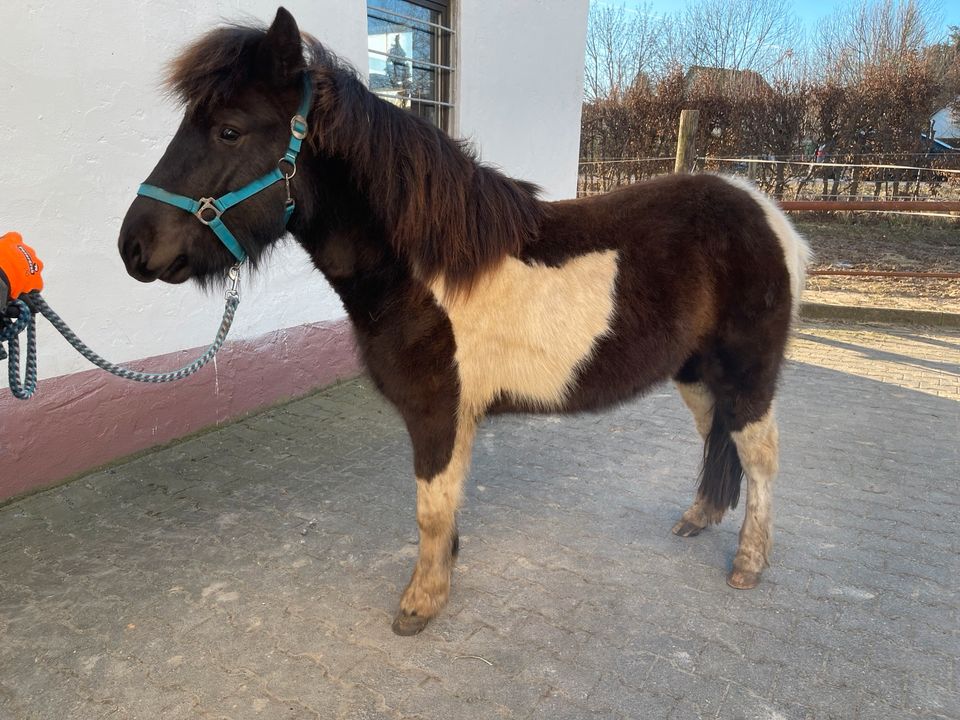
36 304
10 330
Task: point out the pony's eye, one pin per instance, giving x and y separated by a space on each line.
229 134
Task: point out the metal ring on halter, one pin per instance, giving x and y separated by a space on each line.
207 204
291 164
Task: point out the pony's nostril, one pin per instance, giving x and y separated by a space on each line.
134 257
132 254
135 253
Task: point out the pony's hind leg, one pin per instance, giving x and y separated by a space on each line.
438 498
751 450
698 398
758 447
744 384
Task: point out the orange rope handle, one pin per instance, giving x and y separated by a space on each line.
20 266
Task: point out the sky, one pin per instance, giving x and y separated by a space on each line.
809 11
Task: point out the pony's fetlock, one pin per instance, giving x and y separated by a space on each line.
697 517
748 564
423 599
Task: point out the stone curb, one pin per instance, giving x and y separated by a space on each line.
891 316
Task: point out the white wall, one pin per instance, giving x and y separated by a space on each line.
520 87
82 122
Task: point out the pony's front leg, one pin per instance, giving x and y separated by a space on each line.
438 498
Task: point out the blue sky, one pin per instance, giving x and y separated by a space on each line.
809 11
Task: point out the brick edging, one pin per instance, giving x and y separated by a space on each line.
891 316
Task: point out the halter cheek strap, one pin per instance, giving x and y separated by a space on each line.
208 210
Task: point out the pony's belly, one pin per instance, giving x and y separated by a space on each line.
523 330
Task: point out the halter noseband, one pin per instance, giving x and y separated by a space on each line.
208 210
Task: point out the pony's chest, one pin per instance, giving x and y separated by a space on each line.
524 330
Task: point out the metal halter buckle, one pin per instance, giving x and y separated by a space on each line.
207 204
296 122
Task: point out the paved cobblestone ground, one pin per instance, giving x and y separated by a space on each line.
252 572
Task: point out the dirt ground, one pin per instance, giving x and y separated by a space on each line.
868 243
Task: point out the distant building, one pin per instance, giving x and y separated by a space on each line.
946 128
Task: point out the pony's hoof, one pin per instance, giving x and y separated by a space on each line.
743 579
685 528
406 624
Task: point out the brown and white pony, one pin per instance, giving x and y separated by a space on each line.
469 295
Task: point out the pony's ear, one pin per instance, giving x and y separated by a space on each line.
280 57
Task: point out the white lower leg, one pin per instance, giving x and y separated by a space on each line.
437 502
758 447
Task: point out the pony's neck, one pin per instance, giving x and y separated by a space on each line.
440 210
334 222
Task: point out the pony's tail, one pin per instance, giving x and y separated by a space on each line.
721 472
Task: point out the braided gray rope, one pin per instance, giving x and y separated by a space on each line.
22 390
37 304
136 375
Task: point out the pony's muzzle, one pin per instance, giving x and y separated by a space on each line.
149 254
136 236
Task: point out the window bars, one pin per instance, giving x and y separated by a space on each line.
410 55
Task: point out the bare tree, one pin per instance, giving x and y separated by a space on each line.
738 34
870 33
622 44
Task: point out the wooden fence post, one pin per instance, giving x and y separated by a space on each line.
687 141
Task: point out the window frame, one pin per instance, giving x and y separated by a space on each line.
441 65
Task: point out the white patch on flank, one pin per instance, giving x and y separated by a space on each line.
523 329
796 251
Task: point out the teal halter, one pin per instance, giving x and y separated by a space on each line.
218 206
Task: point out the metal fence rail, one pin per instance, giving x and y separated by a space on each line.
859 186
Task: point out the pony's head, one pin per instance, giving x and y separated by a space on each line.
240 87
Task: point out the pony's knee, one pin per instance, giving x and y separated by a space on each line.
437 504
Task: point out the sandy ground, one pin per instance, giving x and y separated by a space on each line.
910 244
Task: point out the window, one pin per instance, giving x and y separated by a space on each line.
409 46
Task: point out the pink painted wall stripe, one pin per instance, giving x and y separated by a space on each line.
79 421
